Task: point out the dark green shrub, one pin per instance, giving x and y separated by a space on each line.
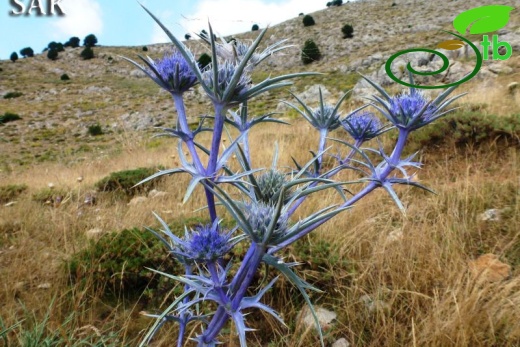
337 2
117 263
27 52
14 57
11 192
52 45
59 47
90 40
347 31
187 37
12 95
64 77
329 4
308 21
123 181
310 52
9 117
52 54
255 27
204 60
95 130
87 53
73 42
145 49
468 129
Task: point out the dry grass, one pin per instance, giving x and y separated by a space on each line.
421 289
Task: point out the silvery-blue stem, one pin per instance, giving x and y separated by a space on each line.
321 147
213 157
239 276
352 152
394 160
221 317
216 281
300 201
183 122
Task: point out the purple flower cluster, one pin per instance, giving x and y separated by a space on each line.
407 107
362 126
175 72
206 243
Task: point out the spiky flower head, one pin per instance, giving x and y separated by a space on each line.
326 117
411 110
270 184
225 73
175 72
362 126
205 243
259 216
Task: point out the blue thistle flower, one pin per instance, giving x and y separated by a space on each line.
175 72
409 107
225 73
206 243
362 126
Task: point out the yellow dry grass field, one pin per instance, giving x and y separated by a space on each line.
445 273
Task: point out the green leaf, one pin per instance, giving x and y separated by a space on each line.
483 19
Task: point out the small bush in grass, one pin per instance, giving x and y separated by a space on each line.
90 40
12 95
187 37
471 129
64 77
347 31
9 117
255 27
50 196
14 57
310 52
117 263
11 192
123 181
145 49
87 53
308 21
95 130
52 54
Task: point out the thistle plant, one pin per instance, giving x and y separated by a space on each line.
262 202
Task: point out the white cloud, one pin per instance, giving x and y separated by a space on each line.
236 16
82 17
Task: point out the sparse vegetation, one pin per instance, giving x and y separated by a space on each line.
124 181
90 40
393 279
9 117
12 95
64 77
310 52
52 54
27 52
87 53
347 31
95 130
10 192
308 21
73 42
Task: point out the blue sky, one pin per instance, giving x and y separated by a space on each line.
124 22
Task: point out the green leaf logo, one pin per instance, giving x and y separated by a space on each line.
483 19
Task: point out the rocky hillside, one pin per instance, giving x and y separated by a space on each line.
110 93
